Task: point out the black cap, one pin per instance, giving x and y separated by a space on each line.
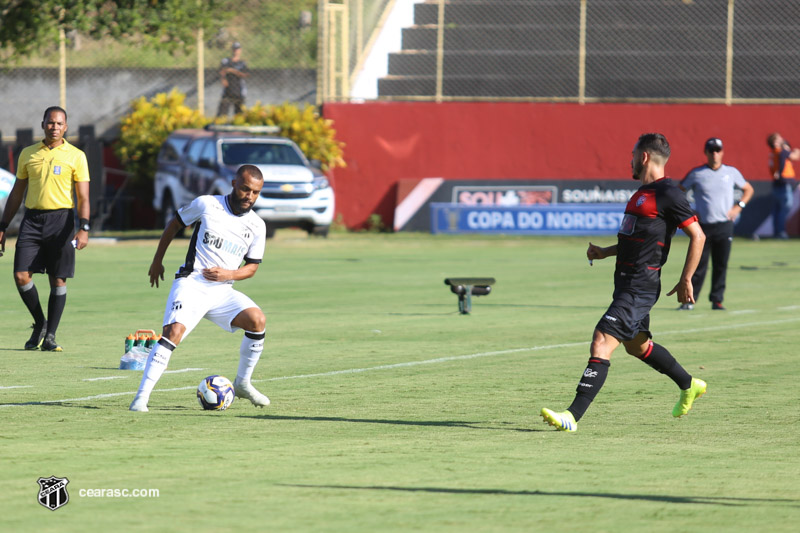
714 144
236 45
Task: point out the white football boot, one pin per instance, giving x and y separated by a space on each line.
244 389
139 404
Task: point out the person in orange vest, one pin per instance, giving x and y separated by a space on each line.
782 170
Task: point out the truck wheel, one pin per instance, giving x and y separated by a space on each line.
319 231
168 212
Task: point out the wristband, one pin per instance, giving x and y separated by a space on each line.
3 226
83 224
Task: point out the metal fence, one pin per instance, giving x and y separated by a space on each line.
316 51
347 29
709 51
96 80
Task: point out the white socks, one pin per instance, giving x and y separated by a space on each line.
249 354
158 359
157 363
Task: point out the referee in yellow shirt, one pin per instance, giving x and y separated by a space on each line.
47 237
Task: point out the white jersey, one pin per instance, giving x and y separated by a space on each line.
220 239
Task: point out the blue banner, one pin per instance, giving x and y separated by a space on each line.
544 219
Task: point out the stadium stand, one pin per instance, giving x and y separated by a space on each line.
530 49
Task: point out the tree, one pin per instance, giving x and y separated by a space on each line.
29 26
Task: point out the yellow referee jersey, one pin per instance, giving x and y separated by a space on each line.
51 174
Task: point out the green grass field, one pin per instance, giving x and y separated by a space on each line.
392 412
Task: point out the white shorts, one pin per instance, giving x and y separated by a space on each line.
190 300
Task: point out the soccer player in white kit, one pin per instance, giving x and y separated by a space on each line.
227 233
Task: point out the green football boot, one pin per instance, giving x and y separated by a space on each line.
688 396
561 421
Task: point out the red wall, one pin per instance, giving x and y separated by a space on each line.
389 141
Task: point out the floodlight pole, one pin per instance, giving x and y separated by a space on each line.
62 66
201 73
439 51
582 56
729 56
201 70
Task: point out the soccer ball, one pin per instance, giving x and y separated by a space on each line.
215 393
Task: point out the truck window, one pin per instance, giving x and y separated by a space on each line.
172 149
260 154
209 152
195 149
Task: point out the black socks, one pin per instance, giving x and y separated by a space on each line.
55 308
660 359
596 372
30 297
592 380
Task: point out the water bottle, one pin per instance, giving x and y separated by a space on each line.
129 343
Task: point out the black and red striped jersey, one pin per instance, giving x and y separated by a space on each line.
652 216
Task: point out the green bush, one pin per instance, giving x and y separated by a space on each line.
313 134
150 122
147 126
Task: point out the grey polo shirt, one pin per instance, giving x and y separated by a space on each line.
713 191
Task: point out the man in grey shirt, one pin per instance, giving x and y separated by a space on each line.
713 186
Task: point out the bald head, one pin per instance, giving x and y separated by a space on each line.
246 188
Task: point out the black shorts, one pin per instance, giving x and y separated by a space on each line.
45 243
629 314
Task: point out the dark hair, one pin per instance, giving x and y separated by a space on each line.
251 170
654 143
772 138
51 109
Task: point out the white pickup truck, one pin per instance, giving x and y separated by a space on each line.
193 162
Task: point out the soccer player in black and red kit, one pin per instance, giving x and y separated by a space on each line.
652 216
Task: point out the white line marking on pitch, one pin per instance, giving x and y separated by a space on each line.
417 363
17 387
182 370
126 377
789 308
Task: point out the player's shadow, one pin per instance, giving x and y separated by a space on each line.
423 314
424 423
48 404
503 305
484 303
776 265
543 306
663 498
